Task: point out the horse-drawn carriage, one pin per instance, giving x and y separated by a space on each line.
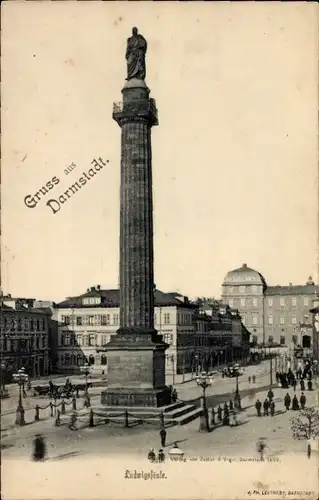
59 391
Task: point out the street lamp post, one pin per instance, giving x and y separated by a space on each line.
204 381
237 399
3 368
20 378
86 370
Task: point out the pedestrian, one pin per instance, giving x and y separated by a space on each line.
39 449
231 405
232 418
213 417
287 401
309 385
258 407
151 455
302 400
226 415
266 407
277 377
295 404
270 395
161 456
174 395
220 413
254 378
249 379
272 408
309 450
294 384
261 445
302 384
72 422
163 435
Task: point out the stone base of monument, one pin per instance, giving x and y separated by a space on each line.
135 397
172 414
136 370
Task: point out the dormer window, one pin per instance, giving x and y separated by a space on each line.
91 301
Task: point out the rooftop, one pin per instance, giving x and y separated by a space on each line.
111 298
291 290
244 274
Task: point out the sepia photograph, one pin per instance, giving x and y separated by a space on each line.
159 300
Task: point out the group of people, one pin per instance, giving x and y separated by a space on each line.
267 405
226 415
152 455
291 379
295 403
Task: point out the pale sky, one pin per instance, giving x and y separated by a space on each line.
235 156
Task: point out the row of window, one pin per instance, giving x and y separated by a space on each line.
283 301
85 340
23 345
79 359
108 319
282 339
23 324
243 289
91 320
282 320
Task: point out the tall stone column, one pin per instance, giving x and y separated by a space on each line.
136 354
136 115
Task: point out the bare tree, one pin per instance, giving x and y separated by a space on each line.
306 425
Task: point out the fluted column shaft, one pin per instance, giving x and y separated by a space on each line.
136 226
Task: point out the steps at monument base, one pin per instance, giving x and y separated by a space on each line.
140 410
189 417
177 414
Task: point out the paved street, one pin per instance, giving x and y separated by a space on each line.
104 439
91 445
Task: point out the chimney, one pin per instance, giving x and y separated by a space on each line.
290 284
98 287
92 288
245 265
310 281
87 289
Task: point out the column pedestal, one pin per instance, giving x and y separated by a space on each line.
136 370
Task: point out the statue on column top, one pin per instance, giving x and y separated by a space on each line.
135 56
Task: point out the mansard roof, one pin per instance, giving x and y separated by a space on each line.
111 298
291 290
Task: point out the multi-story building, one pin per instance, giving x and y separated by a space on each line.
87 322
272 314
24 340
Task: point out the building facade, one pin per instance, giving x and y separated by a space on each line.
86 323
272 314
24 340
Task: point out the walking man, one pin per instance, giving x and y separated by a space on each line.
39 448
302 400
272 408
266 407
163 434
220 413
270 395
258 407
287 401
